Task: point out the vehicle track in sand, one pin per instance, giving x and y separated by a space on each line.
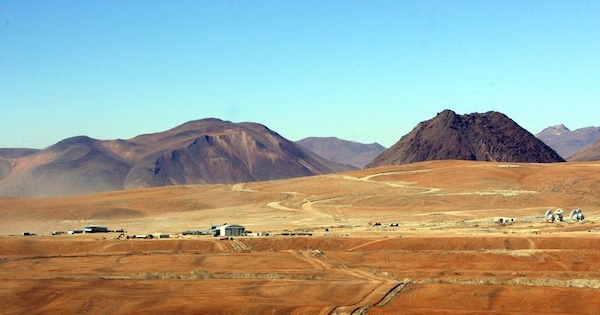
382 287
390 295
307 205
428 190
397 184
367 244
273 204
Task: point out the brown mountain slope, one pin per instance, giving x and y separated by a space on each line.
566 142
8 157
203 151
590 153
76 165
491 136
342 151
17 152
215 151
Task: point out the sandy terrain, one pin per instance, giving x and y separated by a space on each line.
448 254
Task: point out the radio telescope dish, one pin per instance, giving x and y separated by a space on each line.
549 216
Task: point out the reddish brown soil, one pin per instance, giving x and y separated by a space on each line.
446 298
302 275
447 256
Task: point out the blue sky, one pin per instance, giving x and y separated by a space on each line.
366 71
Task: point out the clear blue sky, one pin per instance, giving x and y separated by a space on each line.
366 71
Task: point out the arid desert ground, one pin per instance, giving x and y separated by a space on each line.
448 254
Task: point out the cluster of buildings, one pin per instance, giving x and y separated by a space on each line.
229 230
89 229
226 230
222 230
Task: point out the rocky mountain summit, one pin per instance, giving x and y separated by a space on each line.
490 136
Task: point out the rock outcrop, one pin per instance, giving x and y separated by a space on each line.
490 136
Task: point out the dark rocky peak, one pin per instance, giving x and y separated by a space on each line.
490 136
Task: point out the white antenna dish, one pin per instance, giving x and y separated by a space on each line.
576 215
558 214
549 216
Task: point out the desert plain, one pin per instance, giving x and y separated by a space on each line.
333 245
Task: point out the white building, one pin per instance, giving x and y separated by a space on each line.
232 230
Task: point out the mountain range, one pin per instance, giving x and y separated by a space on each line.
343 151
589 153
211 151
490 136
198 152
566 142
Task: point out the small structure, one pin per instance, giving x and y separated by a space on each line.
232 230
549 216
95 229
141 236
227 230
215 229
504 221
196 232
576 215
558 215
